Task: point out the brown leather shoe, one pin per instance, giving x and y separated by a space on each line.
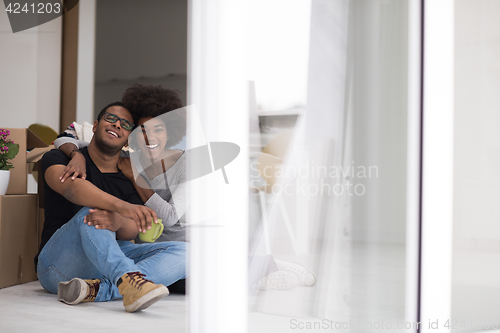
77 291
139 293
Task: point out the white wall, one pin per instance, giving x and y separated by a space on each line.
30 67
30 80
86 62
477 140
476 227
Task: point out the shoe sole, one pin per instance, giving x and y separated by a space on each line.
288 287
145 301
285 286
297 270
72 292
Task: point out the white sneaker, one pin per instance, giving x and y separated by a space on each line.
279 280
306 276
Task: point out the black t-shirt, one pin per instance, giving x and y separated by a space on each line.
58 210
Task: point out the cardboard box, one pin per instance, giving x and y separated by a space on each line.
18 238
27 154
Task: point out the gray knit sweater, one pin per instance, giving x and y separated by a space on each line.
169 199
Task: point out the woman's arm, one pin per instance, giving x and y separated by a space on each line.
174 209
76 166
169 211
66 139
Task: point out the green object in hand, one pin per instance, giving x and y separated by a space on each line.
152 234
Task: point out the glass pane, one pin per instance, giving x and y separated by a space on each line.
328 165
476 231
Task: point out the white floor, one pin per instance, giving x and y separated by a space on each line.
376 291
29 308
372 291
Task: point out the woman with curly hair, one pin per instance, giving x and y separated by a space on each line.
160 170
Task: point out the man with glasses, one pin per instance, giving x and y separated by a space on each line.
86 261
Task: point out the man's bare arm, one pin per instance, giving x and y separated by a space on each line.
82 192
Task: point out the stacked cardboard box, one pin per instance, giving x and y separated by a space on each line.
18 238
19 214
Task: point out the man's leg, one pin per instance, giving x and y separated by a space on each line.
79 250
162 262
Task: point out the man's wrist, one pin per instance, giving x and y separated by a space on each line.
118 205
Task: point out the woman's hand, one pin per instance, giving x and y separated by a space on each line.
75 168
142 215
125 166
104 219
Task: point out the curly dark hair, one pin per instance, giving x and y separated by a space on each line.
153 101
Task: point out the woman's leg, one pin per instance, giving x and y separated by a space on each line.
178 287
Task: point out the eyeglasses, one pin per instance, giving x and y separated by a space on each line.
111 118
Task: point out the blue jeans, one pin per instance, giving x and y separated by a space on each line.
80 250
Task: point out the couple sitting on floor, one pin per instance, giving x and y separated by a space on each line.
86 253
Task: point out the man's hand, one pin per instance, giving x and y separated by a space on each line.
142 215
75 167
104 219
